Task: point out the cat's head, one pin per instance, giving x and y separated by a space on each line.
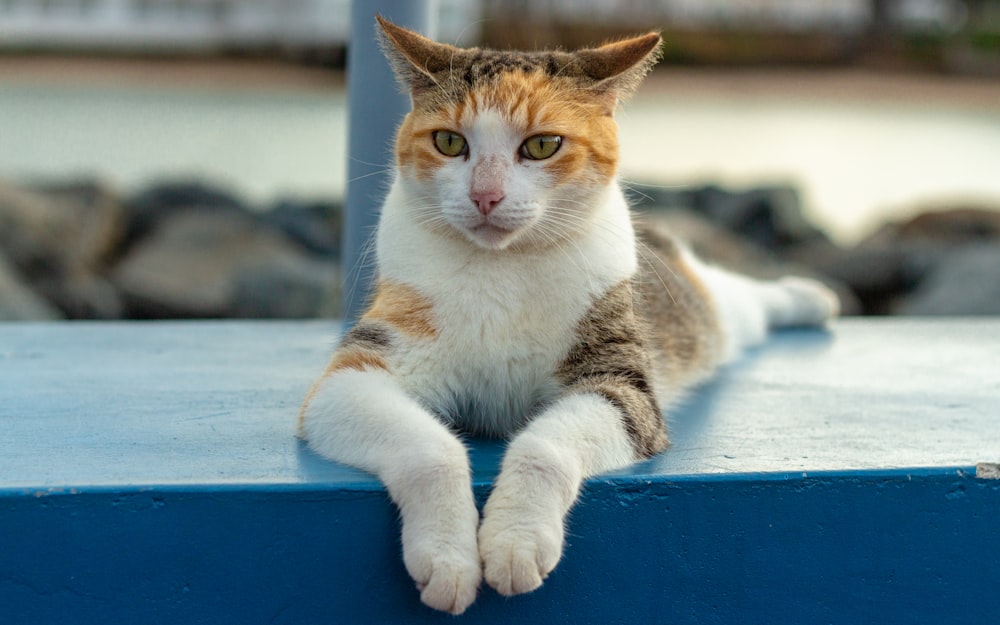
511 148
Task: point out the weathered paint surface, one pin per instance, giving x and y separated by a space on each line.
149 473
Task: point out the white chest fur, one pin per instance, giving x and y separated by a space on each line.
504 319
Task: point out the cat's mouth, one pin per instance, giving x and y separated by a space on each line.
492 236
496 231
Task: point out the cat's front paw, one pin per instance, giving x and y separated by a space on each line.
519 548
447 576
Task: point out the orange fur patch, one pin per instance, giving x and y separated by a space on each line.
359 360
403 308
396 305
356 359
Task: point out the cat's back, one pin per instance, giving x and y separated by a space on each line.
676 308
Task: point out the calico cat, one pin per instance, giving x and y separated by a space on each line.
516 299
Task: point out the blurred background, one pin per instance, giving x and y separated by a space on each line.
187 158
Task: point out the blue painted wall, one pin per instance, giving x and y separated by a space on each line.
893 547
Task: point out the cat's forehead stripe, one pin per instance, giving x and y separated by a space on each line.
483 68
485 65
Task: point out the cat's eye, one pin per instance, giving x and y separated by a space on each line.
449 143
540 147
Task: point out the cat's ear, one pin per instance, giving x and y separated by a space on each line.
619 67
414 58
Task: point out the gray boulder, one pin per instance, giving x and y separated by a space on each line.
901 260
315 225
60 240
152 205
959 225
290 288
966 283
769 216
203 264
18 302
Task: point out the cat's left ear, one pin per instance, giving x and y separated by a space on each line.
619 67
415 59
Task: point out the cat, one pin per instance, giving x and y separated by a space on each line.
515 298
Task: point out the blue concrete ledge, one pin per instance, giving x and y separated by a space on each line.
149 474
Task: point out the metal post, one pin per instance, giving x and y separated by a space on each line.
375 106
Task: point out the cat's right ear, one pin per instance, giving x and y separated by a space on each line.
414 58
617 68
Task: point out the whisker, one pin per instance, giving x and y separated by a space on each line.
632 187
355 159
645 252
374 173
467 27
564 216
631 184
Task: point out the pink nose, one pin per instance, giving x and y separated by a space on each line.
486 201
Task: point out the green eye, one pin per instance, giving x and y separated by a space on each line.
449 143
540 147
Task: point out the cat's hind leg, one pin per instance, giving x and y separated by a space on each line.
793 301
362 417
748 308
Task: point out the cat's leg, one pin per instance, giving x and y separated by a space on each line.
365 419
521 536
607 417
748 308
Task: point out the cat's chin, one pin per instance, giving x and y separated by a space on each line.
491 237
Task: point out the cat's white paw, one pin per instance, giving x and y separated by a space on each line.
446 569
812 303
519 548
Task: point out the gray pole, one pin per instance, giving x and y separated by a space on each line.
375 106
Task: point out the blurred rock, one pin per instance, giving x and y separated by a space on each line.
879 271
771 217
60 239
82 295
768 216
44 231
196 264
316 225
288 289
887 268
18 302
148 208
953 227
967 282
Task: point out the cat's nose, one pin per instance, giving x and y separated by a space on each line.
486 201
